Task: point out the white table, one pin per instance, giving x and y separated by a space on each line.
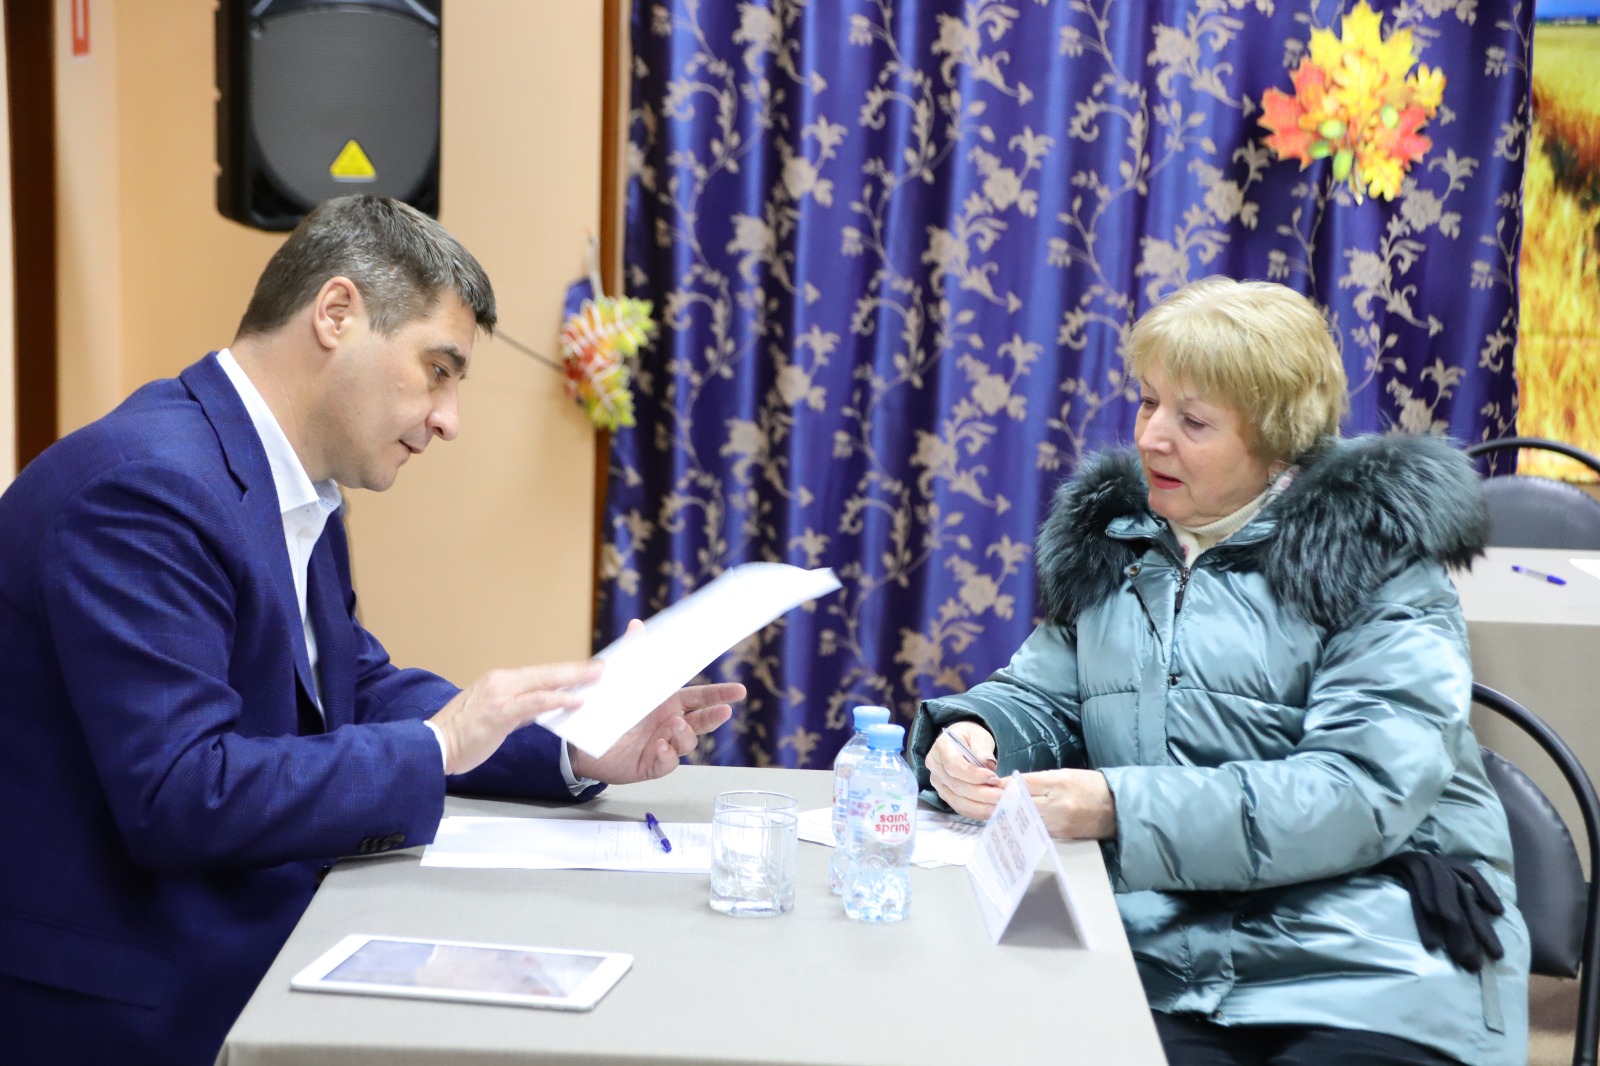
1539 644
809 987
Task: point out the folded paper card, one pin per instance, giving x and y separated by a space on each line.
1014 843
644 668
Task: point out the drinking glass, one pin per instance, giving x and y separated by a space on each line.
757 798
755 852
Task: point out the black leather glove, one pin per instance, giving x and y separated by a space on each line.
1453 905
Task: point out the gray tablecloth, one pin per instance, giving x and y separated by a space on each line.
808 987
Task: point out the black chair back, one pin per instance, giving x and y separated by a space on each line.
1551 891
1562 911
1539 512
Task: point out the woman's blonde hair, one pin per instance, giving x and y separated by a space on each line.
1256 346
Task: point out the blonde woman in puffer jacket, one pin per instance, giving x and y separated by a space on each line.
1252 685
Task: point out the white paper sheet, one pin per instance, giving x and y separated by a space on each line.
568 844
942 838
643 669
1588 566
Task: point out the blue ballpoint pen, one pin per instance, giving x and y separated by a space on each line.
655 827
1540 574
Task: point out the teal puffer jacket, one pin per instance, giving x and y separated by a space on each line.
1272 723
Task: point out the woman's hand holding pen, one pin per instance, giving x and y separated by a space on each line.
970 788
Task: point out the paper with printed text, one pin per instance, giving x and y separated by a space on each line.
482 843
942 839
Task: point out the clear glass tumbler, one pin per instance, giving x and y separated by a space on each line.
755 856
757 798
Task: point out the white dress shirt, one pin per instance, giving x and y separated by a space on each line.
305 506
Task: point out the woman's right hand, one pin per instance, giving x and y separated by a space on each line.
971 791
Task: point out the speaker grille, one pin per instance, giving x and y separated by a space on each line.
322 77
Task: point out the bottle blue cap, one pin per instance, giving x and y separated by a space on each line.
865 716
886 737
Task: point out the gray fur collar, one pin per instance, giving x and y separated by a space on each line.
1354 508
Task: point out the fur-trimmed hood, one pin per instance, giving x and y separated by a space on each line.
1325 543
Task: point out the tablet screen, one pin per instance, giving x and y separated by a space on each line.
509 971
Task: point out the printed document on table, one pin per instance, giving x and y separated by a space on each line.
643 669
476 843
943 839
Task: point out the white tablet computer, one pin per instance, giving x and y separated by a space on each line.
475 973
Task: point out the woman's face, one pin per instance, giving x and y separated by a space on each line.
1194 454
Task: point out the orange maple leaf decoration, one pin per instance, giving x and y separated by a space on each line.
1358 102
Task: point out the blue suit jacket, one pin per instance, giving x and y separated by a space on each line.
169 792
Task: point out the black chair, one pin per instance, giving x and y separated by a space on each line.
1539 512
1562 910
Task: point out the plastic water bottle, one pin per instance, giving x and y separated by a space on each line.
843 765
883 827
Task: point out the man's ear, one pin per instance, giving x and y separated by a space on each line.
336 309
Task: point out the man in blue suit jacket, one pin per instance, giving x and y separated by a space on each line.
193 722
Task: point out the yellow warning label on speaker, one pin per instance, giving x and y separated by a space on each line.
352 164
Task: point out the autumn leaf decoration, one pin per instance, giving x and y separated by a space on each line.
600 339
598 342
1357 101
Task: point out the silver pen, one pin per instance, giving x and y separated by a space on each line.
972 756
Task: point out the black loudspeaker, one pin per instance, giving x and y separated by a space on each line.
318 99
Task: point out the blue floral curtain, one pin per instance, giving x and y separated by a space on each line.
895 249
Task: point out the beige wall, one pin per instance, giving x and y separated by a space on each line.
88 235
481 555
485 554
186 271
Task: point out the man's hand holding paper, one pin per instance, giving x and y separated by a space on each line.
476 722
652 748
646 667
